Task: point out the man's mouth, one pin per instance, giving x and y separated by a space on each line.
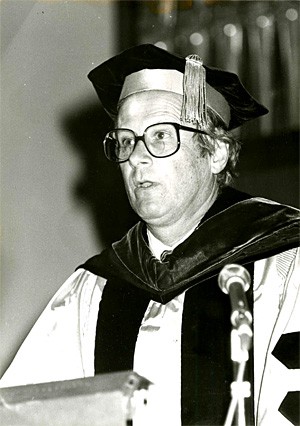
146 184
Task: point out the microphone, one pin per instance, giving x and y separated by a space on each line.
235 280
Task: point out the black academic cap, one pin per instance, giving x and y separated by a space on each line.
108 79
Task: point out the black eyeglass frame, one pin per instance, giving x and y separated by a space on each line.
137 138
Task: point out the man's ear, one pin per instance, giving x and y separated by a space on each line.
219 158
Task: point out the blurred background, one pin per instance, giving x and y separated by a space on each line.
61 201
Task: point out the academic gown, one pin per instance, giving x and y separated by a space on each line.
258 233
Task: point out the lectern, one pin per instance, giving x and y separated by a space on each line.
103 400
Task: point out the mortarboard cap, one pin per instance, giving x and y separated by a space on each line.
147 67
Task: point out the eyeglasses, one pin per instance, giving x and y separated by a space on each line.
161 140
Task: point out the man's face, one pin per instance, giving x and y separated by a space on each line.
163 191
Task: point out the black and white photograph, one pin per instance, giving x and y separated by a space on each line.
150 262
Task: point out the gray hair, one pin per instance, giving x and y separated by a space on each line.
217 132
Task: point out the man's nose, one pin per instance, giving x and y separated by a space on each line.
140 154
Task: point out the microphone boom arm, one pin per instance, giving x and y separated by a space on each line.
235 280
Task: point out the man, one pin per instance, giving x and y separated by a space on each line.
152 302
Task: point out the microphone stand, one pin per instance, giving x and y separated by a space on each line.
241 340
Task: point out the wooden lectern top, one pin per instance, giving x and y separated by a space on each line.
104 400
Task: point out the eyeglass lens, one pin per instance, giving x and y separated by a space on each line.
161 140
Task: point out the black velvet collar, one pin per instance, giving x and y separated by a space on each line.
237 229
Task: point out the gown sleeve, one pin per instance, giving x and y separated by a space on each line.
60 346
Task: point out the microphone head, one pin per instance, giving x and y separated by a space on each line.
233 273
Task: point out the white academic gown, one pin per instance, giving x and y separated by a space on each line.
60 346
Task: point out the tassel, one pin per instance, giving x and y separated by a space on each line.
194 92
